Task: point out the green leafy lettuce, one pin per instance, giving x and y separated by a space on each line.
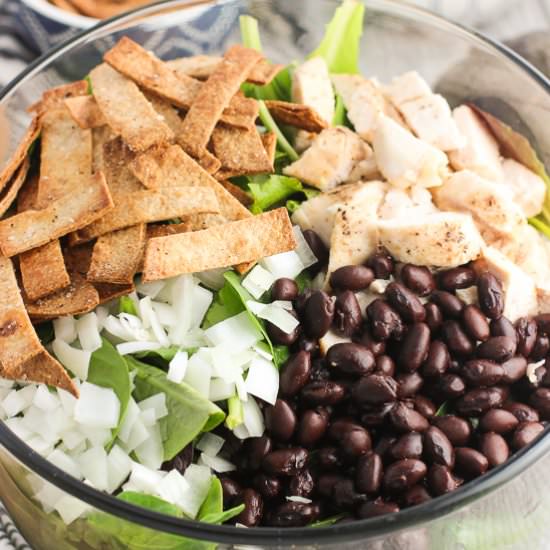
189 413
212 510
127 305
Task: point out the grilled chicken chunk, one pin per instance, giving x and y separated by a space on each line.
528 188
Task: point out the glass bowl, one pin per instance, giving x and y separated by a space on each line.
507 507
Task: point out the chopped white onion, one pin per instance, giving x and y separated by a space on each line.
68 401
97 407
98 437
65 462
72 439
144 479
134 347
213 278
210 444
138 435
239 330
40 445
93 465
130 417
5 383
150 453
240 386
157 402
150 289
147 417
220 390
306 255
17 426
173 487
199 479
64 329
279 317
45 399
285 304
263 380
76 360
102 313
258 281
49 495
114 326
165 314
262 352
198 373
150 320
119 466
202 298
182 302
253 418
178 366
217 463
87 328
241 432
14 403
71 508
285 264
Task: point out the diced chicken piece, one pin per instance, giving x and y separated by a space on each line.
330 159
443 239
303 140
520 292
410 203
430 118
481 152
311 86
354 236
365 170
528 188
407 87
405 160
319 212
491 204
330 339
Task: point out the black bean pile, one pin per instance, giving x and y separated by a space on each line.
429 394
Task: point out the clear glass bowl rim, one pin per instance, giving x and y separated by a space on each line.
370 528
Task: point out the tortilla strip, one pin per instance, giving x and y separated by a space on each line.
153 74
117 159
54 96
20 153
28 193
242 196
43 271
166 111
162 230
164 166
104 10
219 246
214 96
85 111
269 139
126 109
116 256
18 340
10 193
108 292
202 66
100 136
42 369
151 206
297 115
240 150
34 228
78 258
79 297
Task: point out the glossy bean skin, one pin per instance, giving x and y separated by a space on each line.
347 313
541 348
497 348
369 472
377 508
457 430
407 446
383 320
523 412
403 474
540 400
351 277
375 415
256 448
302 484
438 359
351 358
329 458
375 389
385 365
318 248
405 420
231 491
419 279
450 386
318 314
295 373
408 384
416 495
253 508
499 421
504 327
434 317
470 462
268 486
286 462
284 289
526 330
294 514
481 372
323 392
457 277
441 480
354 440
344 494
405 302
490 294
381 264
312 427
437 447
514 369
525 434
280 420
326 483
543 323
278 336
415 347
478 401
475 324
450 305
424 406
456 339
494 447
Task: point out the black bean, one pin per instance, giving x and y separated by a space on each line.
434 317
375 389
285 461
354 440
503 327
456 339
540 399
344 494
541 348
318 314
481 372
407 446
307 344
497 348
301 300
326 483
231 491
499 421
408 384
404 419
347 313
457 277
351 277
403 474
253 508
478 401
418 278
329 458
523 412
441 480
475 323
181 461
280 420
416 495
450 386
294 514
295 373
375 416
279 336
312 427
526 433
449 304
319 370
543 323
514 369
302 484
424 406
414 348
256 448
318 248
268 486
457 430
377 508
383 320
438 360
470 462
368 473
351 358
405 302
385 365
382 265
437 447
526 330
284 289
324 392
491 295
494 447
376 347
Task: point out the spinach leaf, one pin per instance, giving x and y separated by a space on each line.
189 413
340 45
280 355
328 521
270 190
109 370
151 503
443 409
303 280
127 305
211 510
162 356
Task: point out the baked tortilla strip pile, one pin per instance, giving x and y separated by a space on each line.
297 115
54 96
85 111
